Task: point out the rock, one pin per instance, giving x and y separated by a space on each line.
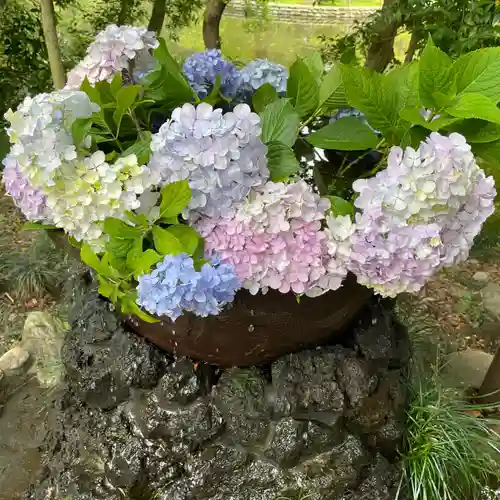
180 384
1 375
481 276
491 299
43 338
466 369
12 362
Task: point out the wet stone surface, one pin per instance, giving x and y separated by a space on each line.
322 424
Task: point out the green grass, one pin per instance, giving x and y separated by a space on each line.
336 3
279 42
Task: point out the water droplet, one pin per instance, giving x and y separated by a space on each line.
251 328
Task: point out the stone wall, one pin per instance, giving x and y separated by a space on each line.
304 14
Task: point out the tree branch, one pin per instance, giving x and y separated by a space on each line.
412 46
157 16
53 50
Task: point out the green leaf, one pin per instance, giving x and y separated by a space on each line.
125 98
109 290
188 237
116 84
129 306
478 131
119 229
138 219
90 258
280 123
475 106
141 148
315 64
165 242
435 74
214 96
413 116
80 128
345 134
91 91
281 161
36 226
414 137
302 88
339 206
263 96
141 263
489 153
478 72
74 243
175 197
331 90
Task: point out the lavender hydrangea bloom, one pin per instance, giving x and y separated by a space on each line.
221 155
203 68
261 71
30 200
419 215
175 286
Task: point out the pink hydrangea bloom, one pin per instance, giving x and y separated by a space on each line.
276 241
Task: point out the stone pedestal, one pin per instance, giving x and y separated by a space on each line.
322 424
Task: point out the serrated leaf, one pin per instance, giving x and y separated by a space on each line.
128 306
143 262
116 84
345 134
475 106
339 206
435 74
331 90
109 290
489 153
315 64
166 243
89 257
302 88
120 229
414 116
478 72
80 128
263 96
188 237
175 197
125 98
141 148
280 123
478 131
281 161
91 91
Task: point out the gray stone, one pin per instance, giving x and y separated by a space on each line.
43 338
13 361
356 380
491 298
467 369
286 441
180 383
481 276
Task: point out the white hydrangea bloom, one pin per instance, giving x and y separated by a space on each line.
111 52
220 154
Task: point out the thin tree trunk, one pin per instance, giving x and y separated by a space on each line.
124 11
53 50
490 390
211 23
412 46
381 50
157 16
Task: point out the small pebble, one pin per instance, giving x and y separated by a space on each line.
13 360
481 276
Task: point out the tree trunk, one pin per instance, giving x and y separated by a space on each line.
53 50
490 390
412 46
157 16
124 11
381 50
211 23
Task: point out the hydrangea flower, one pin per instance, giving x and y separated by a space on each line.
419 214
73 190
221 155
111 52
275 240
203 68
30 200
261 71
175 286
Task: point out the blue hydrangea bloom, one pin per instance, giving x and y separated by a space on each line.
201 70
343 112
261 71
175 286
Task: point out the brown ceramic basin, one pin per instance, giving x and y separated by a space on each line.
258 329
